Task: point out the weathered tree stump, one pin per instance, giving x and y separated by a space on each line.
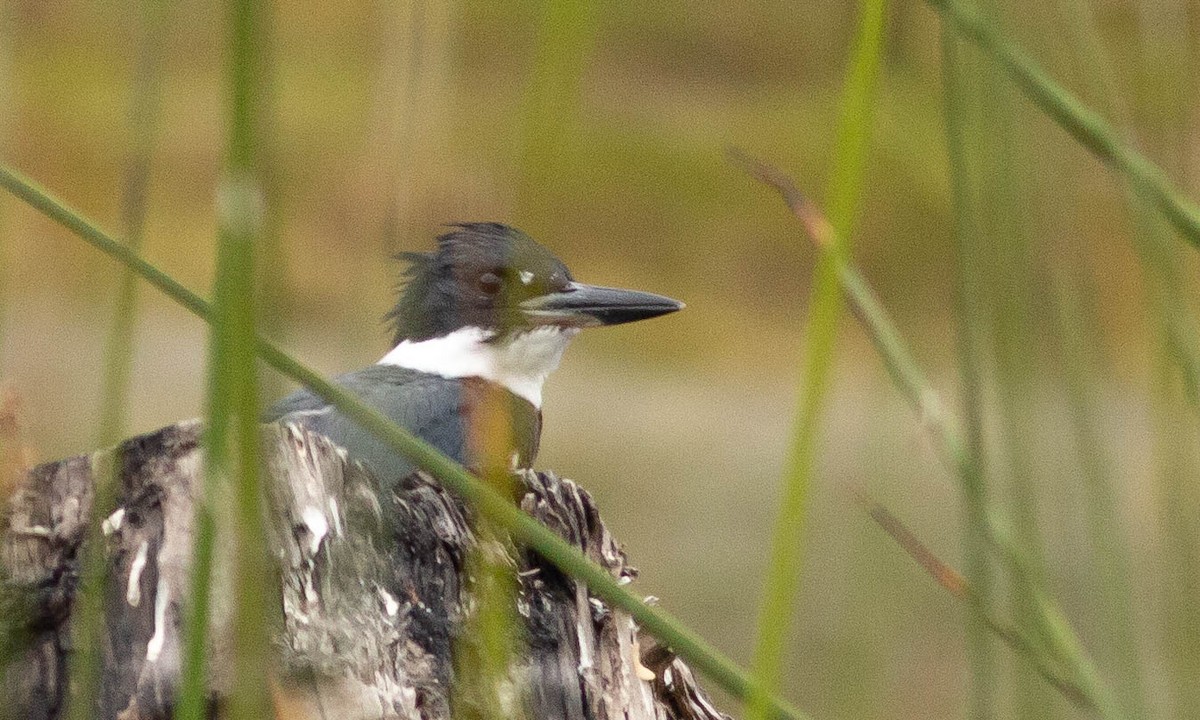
373 594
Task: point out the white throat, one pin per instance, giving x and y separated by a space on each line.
520 363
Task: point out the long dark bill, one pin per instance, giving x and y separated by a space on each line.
581 305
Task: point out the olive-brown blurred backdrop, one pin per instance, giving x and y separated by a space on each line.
388 119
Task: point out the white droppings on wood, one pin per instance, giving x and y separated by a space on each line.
390 606
133 590
337 518
318 527
112 523
162 597
643 672
585 651
37 531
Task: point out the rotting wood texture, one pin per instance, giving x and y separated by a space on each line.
373 596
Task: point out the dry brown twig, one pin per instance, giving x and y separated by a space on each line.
953 581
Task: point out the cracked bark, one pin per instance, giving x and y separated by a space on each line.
373 597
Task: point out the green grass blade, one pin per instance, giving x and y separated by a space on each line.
1085 125
1109 541
272 260
86 666
144 103
550 108
1176 427
546 124
7 25
1112 558
87 629
998 247
193 697
971 324
231 436
524 529
820 334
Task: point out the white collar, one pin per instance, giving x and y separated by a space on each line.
520 363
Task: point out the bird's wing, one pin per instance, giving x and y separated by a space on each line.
425 405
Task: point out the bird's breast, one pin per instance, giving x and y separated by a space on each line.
502 430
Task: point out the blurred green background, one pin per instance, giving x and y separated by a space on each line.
388 119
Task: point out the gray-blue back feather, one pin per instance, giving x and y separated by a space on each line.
431 407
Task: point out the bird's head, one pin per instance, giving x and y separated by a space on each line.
496 278
492 303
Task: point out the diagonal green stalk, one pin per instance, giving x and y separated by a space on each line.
1084 124
820 334
523 528
231 436
943 426
970 324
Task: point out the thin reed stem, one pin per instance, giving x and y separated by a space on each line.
231 436
999 246
7 29
970 328
1109 541
550 108
1176 325
143 111
820 334
143 121
960 587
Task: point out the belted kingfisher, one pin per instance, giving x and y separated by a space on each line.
490 311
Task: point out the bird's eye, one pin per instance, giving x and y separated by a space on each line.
489 283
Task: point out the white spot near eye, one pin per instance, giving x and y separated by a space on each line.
526 277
